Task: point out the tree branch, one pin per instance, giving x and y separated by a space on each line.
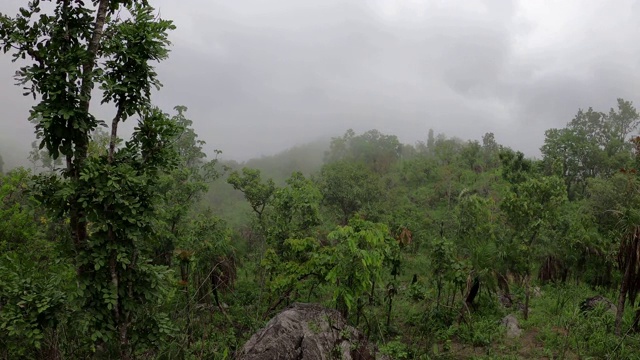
114 133
94 44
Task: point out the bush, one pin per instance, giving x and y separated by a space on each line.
31 303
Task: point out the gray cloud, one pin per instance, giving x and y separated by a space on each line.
259 77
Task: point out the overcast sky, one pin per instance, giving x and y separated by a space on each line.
261 76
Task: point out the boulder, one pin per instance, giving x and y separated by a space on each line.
511 323
505 300
591 303
308 332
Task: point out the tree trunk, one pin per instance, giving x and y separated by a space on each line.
527 296
636 320
75 162
622 297
473 291
372 294
389 310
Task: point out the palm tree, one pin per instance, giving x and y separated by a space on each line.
629 262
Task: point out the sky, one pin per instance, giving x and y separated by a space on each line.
261 76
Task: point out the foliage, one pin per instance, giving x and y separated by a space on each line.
302 266
182 187
396 349
119 286
257 193
357 260
372 149
446 267
69 52
478 235
593 144
530 206
16 216
295 212
33 279
348 188
32 302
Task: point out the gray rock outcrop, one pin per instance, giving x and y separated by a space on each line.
308 332
592 303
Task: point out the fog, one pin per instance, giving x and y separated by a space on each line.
261 76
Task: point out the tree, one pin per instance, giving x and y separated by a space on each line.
470 154
18 230
349 187
68 52
477 236
357 261
490 150
99 144
446 150
295 211
623 122
629 265
373 149
182 187
530 206
287 217
33 290
629 250
256 192
40 158
32 301
592 144
431 141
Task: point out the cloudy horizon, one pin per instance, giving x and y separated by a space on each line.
260 77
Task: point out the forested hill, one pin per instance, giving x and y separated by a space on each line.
424 247
306 158
463 213
230 205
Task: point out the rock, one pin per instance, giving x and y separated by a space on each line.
511 323
591 303
308 332
505 300
537 292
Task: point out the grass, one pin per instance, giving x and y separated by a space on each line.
556 328
423 329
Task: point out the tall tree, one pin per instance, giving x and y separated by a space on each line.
109 43
592 144
257 192
431 141
348 187
373 149
184 186
490 150
629 250
295 211
531 206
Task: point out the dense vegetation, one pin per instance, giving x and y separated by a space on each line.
145 249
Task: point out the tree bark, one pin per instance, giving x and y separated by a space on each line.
75 162
114 134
